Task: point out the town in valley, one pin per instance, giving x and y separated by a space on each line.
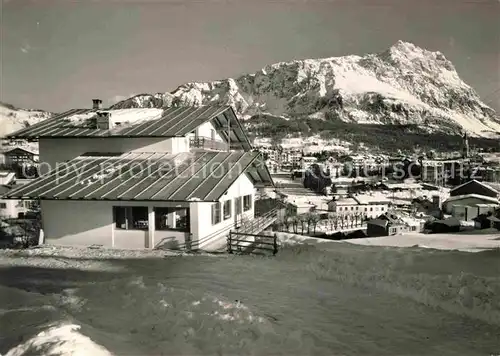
308 186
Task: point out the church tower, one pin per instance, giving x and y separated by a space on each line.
465 146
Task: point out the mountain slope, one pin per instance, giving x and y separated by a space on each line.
13 119
404 85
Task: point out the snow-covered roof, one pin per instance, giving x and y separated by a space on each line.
486 185
476 196
362 199
6 177
345 201
372 199
403 185
175 121
27 148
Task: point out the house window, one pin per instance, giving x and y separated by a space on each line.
247 202
227 209
172 219
215 213
131 217
237 205
3 205
352 208
366 209
27 204
371 209
382 208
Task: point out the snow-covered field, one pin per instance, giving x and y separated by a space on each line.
314 298
473 242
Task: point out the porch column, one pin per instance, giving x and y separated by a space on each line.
171 220
195 227
151 227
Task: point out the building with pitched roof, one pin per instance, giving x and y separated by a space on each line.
367 205
180 177
471 195
19 155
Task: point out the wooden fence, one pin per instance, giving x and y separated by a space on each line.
242 242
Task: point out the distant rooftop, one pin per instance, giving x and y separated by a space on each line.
402 185
364 199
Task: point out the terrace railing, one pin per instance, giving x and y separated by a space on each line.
259 222
207 143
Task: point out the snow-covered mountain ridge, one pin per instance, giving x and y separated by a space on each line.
404 85
13 119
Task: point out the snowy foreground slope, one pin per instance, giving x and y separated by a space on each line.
329 298
402 85
13 119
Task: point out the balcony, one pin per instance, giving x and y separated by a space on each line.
210 144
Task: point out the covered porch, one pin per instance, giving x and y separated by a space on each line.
167 227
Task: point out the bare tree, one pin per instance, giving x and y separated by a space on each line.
280 222
287 221
303 223
357 217
295 223
331 219
342 220
312 220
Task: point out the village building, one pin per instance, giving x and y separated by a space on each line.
425 207
12 208
180 177
443 226
367 205
19 155
272 165
470 199
388 224
486 221
307 161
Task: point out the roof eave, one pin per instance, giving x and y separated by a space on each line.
240 126
104 199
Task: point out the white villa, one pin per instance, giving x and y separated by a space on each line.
180 177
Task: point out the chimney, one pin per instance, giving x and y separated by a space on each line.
96 104
103 120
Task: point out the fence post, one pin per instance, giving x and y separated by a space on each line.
229 243
275 244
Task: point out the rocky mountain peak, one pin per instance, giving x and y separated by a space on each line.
402 85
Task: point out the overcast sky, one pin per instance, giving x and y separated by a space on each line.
59 54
